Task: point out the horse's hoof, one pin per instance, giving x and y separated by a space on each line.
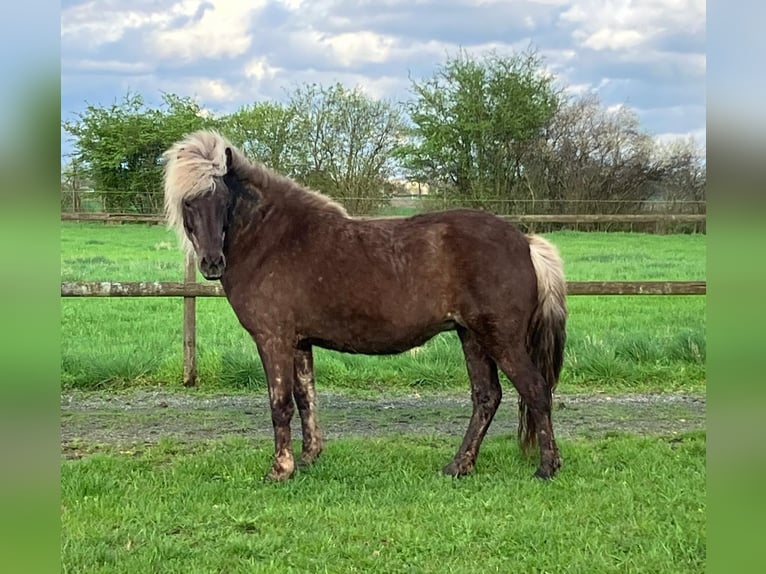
278 475
549 466
457 469
274 477
544 474
307 459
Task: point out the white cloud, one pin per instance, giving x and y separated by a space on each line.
577 89
612 39
211 93
223 30
211 28
360 47
615 109
259 69
292 4
384 87
95 23
381 87
112 66
626 24
213 90
345 50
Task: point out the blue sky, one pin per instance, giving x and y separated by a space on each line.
648 54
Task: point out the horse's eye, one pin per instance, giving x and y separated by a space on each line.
187 202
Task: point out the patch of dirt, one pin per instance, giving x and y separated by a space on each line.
127 419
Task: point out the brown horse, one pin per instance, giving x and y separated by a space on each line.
299 272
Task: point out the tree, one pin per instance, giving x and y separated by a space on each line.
345 143
267 132
685 172
594 159
474 121
121 147
73 179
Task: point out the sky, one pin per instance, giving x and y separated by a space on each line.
649 55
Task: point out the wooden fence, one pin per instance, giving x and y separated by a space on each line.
193 290
524 219
189 290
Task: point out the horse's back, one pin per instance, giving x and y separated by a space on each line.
469 240
432 263
487 260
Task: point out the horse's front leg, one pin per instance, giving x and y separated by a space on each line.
305 398
277 359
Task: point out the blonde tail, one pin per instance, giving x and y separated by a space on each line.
546 334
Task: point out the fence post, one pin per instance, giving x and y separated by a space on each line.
190 327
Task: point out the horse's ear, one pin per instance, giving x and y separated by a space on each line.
228 158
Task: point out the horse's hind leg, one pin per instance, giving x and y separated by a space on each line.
305 398
485 394
515 362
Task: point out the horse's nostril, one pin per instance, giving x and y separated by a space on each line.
212 265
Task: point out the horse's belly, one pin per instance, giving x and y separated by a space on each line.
377 338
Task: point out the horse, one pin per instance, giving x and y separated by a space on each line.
299 273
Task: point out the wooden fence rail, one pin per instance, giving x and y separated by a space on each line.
116 217
190 290
525 219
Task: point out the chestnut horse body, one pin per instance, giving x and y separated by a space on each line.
299 272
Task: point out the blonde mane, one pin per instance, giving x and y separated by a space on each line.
193 162
190 166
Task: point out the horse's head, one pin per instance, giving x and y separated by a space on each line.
205 179
198 199
205 222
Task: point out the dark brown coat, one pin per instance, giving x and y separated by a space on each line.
298 272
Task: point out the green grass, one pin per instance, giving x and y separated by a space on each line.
620 343
381 505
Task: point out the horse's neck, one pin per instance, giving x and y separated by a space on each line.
281 213
257 228
243 231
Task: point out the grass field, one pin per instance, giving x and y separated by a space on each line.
381 505
615 343
621 502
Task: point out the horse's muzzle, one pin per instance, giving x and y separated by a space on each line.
212 267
